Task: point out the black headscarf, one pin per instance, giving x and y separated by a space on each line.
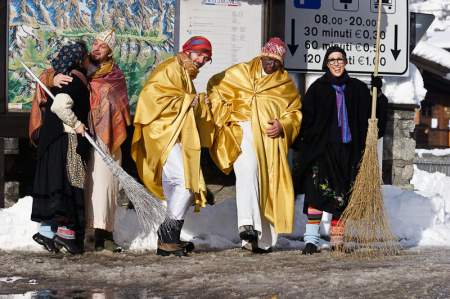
69 57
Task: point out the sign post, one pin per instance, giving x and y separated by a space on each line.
312 26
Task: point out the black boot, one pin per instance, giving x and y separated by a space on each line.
104 240
260 250
48 243
248 233
169 231
210 197
71 245
310 249
169 242
188 246
99 241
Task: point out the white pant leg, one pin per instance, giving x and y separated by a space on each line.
247 191
178 198
268 237
101 192
247 186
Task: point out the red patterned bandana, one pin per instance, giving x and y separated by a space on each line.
274 48
198 44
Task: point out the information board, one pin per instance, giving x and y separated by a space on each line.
233 27
312 26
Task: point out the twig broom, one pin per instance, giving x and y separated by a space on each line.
365 225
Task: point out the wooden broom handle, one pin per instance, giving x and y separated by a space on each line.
377 62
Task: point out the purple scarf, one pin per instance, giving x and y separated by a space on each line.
342 116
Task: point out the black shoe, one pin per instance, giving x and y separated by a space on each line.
69 244
210 198
48 243
104 240
249 234
310 249
112 246
188 246
261 251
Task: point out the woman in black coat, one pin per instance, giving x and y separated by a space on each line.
58 202
336 109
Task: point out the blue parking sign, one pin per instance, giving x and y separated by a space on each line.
310 4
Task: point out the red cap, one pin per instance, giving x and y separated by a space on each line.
198 44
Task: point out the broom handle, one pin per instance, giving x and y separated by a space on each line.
377 62
95 145
50 94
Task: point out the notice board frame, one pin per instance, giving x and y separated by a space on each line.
12 124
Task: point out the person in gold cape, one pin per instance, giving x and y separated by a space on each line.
166 144
256 116
110 116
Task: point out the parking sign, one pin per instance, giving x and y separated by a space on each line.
311 27
308 4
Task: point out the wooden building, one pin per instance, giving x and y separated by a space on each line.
433 117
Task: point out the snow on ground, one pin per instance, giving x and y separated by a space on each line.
420 218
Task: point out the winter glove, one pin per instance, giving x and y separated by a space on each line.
376 81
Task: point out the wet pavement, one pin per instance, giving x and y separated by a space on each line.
233 273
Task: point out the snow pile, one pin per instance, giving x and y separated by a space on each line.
406 90
435 152
432 53
16 228
435 186
420 218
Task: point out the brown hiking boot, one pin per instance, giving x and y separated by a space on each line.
166 249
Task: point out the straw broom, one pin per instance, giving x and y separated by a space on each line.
365 225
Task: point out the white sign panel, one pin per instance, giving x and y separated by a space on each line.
312 26
234 28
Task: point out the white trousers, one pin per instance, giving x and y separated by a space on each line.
247 191
178 198
101 192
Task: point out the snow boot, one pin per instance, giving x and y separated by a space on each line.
71 245
47 243
188 246
167 249
310 249
104 240
248 233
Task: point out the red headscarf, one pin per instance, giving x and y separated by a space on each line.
198 44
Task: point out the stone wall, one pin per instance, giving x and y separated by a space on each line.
399 146
11 188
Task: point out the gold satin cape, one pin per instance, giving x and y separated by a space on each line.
163 117
242 93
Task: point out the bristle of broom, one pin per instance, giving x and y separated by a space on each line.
366 229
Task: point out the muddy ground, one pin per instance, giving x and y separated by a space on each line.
230 273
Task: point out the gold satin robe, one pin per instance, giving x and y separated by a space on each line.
242 93
163 117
